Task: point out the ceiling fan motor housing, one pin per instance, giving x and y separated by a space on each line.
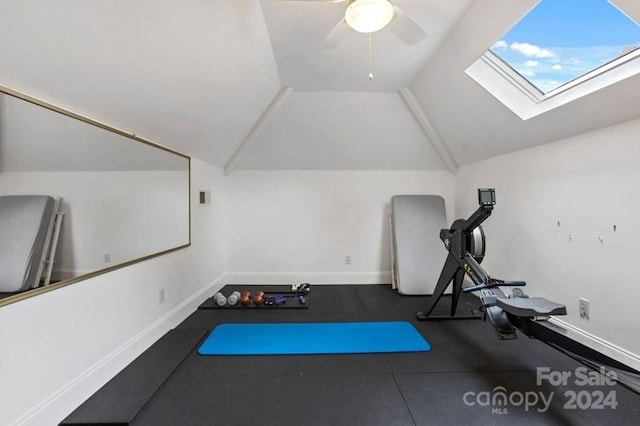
368 16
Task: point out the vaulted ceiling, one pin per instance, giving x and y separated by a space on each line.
297 30
249 84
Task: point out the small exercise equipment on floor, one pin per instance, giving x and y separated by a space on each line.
297 298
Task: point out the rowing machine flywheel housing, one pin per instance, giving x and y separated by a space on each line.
475 241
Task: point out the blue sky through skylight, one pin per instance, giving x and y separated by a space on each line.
561 40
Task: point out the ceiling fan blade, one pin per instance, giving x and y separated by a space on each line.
335 35
406 28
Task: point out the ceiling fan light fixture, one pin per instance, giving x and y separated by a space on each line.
368 16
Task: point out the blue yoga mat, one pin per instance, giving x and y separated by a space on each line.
313 338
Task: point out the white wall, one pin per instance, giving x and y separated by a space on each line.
289 226
60 347
128 214
588 183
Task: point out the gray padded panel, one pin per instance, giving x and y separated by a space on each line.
419 254
24 223
531 306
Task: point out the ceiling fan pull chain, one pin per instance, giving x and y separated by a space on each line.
370 60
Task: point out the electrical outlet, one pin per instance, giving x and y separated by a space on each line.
107 257
161 296
347 260
583 306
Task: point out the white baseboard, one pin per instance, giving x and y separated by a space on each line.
266 278
60 404
594 342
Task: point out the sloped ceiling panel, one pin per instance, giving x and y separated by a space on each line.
474 124
342 131
298 28
191 75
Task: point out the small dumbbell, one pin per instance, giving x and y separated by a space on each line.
258 298
245 298
232 300
220 299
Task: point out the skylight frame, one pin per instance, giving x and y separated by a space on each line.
525 100
536 94
512 76
629 57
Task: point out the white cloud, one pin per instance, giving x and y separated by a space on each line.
557 67
531 50
500 44
531 64
527 73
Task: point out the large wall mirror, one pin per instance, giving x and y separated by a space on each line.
120 199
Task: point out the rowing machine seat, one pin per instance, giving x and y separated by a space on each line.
528 307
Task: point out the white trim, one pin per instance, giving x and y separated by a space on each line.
599 72
429 130
62 402
262 121
269 278
512 76
603 346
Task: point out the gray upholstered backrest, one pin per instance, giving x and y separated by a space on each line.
24 223
419 254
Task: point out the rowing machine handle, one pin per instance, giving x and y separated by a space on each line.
513 283
505 283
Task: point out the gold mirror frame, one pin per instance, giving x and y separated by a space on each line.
132 136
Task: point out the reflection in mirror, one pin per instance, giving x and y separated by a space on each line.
121 199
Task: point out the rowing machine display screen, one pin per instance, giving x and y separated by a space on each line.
487 196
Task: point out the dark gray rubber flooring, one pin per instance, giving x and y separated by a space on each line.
466 361
123 397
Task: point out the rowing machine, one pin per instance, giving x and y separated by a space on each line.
465 242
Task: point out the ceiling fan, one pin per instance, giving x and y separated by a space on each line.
369 16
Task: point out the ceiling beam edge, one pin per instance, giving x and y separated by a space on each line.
264 119
428 128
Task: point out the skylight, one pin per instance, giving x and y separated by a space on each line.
559 41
